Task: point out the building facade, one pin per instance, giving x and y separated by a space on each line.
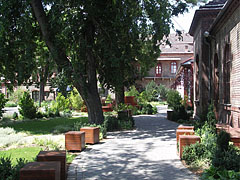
217 74
172 55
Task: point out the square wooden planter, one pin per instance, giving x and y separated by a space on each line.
183 132
46 156
41 171
91 134
186 127
236 141
186 140
75 140
223 127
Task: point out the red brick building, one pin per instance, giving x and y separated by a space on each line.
171 57
216 31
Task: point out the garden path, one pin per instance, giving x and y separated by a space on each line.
149 152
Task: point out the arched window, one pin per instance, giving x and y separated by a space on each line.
158 70
226 74
173 67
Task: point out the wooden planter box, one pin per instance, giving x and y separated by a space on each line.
183 132
236 141
223 127
186 127
75 140
186 140
46 156
91 134
130 100
107 109
40 171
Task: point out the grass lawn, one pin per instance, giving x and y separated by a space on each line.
44 126
27 153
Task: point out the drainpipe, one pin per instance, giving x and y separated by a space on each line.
206 41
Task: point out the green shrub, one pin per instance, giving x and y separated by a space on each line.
163 91
60 104
76 100
10 104
16 95
147 109
152 91
48 144
226 156
194 152
223 140
174 99
132 92
112 123
180 113
215 173
27 108
2 104
8 171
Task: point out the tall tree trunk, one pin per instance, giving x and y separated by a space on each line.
120 95
41 93
88 90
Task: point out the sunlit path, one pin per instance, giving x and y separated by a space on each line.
149 152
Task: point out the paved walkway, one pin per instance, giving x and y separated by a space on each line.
149 152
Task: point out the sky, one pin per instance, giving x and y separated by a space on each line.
183 22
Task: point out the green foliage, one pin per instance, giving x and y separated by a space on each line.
148 109
109 99
163 91
174 99
132 92
115 124
215 173
223 140
2 104
226 156
194 152
8 171
27 108
10 104
47 144
180 113
151 91
76 100
60 104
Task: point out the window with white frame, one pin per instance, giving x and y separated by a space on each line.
173 67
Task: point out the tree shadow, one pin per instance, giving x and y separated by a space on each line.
149 152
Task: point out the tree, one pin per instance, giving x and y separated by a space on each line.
85 38
44 68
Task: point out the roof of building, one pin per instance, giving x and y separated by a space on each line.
178 44
224 15
210 9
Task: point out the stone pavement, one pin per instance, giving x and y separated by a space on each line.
149 152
